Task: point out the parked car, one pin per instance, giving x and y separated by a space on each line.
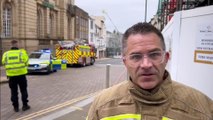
43 61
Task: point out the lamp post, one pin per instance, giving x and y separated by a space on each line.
145 10
110 20
116 34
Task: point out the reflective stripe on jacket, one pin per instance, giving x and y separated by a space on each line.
124 117
129 117
170 101
15 62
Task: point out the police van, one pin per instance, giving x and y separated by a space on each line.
43 61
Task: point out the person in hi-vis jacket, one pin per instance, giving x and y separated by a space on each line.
15 62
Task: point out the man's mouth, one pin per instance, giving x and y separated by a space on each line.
147 74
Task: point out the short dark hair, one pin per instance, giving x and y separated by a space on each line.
14 42
141 28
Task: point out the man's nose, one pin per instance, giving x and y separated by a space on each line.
146 62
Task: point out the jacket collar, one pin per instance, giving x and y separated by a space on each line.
14 48
159 95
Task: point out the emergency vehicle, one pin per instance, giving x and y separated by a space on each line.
43 61
75 53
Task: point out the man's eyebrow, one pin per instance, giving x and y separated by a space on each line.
139 52
135 53
154 50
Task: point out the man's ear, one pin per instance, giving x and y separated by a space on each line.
124 60
167 57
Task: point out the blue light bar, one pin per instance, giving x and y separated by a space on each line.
46 50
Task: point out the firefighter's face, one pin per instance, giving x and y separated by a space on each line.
145 60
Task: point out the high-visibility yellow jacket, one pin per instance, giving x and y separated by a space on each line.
15 62
170 101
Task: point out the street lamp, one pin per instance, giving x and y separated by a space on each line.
117 33
110 19
145 10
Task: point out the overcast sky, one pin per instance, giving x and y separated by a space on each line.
123 13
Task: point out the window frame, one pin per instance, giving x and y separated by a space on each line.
7 20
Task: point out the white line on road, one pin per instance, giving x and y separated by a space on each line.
70 109
56 107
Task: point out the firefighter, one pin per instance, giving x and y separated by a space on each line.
150 94
15 62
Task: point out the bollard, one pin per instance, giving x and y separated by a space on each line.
127 75
107 84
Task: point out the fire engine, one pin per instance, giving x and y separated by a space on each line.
75 53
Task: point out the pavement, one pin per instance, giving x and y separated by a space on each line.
60 100
3 75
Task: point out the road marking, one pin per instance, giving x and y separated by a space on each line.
53 108
77 108
68 110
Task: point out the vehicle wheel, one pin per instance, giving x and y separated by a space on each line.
48 70
84 63
92 61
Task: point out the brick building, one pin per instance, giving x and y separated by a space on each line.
40 24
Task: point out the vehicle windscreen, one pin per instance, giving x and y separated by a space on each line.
42 56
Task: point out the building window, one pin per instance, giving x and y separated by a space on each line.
39 23
91 37
91 24
51 25
69 32
7 20
44 42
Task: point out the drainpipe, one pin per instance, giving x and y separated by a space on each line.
25 34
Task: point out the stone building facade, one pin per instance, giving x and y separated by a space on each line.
38 24
99 35
81 26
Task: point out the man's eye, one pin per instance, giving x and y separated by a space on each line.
135 57
155 55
